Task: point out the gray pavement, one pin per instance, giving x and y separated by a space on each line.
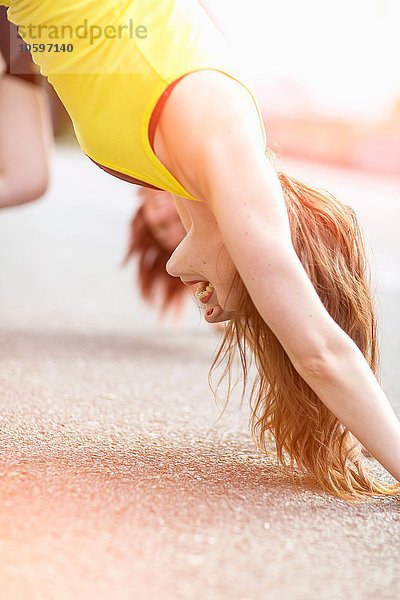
118 479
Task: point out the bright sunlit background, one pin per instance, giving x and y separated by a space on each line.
341 56
326 74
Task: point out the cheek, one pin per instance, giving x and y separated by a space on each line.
227 290
227 296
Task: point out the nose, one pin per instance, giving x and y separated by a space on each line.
186 261
172 266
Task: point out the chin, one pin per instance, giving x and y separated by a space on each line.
227 302
226 306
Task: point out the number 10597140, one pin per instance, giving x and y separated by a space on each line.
46 47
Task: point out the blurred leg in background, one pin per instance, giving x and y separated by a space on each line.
25 123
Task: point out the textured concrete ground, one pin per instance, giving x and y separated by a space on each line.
118 479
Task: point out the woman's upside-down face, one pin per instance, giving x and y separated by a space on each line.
161 217
202 256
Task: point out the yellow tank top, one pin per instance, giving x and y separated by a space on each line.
111 61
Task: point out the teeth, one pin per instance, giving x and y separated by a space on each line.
202 292
202 295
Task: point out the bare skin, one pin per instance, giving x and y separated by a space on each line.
25 139
209 137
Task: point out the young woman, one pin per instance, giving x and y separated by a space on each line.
25 126
282 263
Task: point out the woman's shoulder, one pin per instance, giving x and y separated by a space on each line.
214 92
201 111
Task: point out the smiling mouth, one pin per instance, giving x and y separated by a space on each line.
204 292
214 313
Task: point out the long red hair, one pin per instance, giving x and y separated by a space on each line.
284 409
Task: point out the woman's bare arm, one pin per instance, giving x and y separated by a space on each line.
25 137
244 193
256 232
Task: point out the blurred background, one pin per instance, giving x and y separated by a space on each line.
117 479
326 75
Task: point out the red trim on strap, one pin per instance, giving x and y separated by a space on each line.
157 110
